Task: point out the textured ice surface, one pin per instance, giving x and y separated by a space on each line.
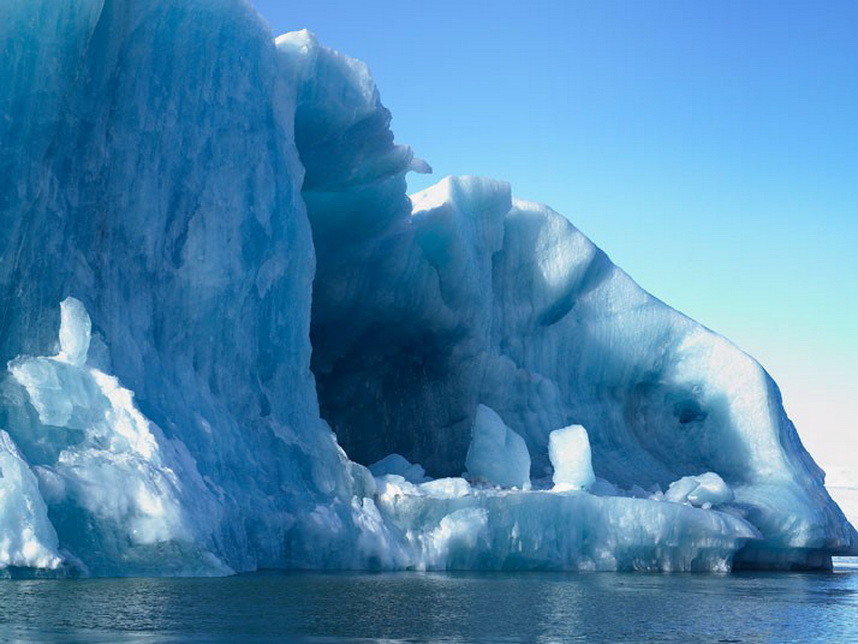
399 465
148 169
27 538
451 527
497 455
208 261
704 491
842 482
75 332
571 458
113 480
520 312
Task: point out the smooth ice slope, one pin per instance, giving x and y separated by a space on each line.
185 206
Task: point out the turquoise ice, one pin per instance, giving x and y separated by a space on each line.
218 305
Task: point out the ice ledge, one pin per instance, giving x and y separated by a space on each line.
447 525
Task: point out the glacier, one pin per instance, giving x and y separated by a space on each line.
230 340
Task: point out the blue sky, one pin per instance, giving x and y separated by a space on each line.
711 148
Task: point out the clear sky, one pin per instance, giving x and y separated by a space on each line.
710 148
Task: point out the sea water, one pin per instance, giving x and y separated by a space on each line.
437 607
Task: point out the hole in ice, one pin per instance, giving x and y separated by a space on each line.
688 411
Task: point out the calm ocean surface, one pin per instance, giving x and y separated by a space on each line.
430 607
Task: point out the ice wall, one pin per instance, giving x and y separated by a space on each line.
148 169
189 211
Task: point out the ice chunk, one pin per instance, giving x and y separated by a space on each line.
497 455
398 464
702 491
457 536
392 486
27 537
446 488
601 487
112 467
75 332
569 451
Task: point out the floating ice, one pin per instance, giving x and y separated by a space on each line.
176 415
497 455
538 530
569 451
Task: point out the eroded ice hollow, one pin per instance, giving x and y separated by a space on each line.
209 264
432 313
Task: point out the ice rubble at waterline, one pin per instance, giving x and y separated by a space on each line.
210 263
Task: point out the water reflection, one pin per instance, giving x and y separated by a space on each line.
418 607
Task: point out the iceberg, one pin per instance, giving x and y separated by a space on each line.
230 340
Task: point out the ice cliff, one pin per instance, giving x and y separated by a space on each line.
218 306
